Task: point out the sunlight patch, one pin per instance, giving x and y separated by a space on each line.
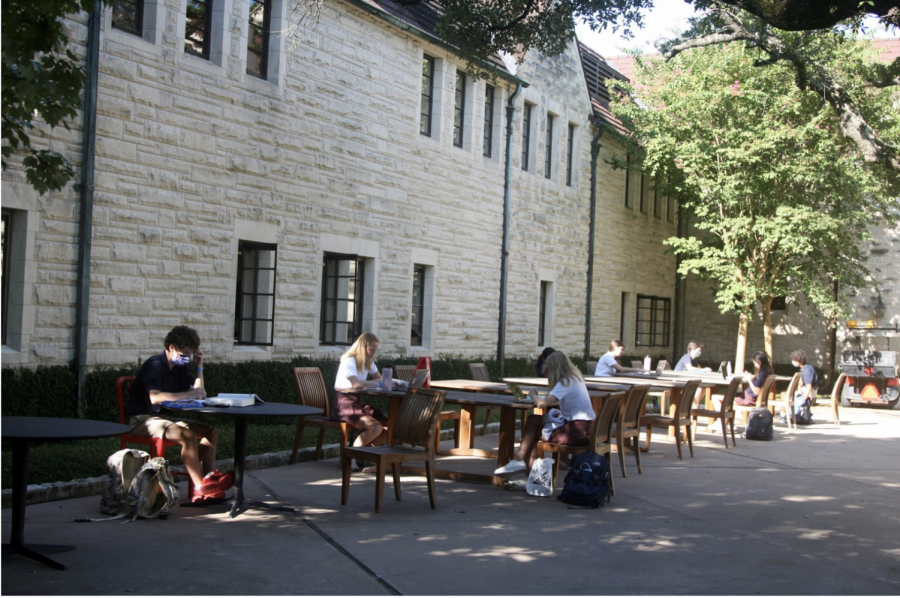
808 498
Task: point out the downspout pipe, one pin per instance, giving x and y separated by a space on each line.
504 250
86 219
595 153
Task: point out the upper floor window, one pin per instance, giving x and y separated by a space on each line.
628 182
570 143
486 145
254 312
427 95
542 313
343 289
418 306
459 109
526 135
670 207
258 38
548 156
645 193
128 16
198 25
653 320
657 202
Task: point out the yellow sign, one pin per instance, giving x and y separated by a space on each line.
860 324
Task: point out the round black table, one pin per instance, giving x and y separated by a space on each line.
22 430
242 417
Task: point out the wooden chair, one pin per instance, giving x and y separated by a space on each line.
155 446
762 399
787 400
479 371
680 419
600 439
407 373
413 441
836 398
726 412
628 424
591 367
311 393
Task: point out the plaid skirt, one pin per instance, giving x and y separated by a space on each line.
573 433
348 408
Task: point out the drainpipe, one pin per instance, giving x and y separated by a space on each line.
595 152
86 220
504 251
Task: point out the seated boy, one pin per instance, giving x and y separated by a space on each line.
809 379
167 377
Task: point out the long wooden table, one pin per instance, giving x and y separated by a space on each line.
596 386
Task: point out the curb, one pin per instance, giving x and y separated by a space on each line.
81 487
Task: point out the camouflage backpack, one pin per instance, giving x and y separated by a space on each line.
139 487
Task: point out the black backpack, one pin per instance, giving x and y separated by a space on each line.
759 425
802 413
587 483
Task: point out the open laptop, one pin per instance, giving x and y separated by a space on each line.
418 379
661 367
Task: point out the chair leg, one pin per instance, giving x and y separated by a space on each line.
345 478
647 434
298 438
319 443
690 437
556 457
834 411
429 475
637 452
620 445
724 430
678 439
731 422
612 482
379 485
395 470
456 427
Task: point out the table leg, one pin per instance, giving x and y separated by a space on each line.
467 426
507 446
393 415
17 533
241 425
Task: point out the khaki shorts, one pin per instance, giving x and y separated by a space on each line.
153 425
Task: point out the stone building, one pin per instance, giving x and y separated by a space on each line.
283 199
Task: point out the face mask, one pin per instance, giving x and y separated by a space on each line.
181 359
696 354
795 364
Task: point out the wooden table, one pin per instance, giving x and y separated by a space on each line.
598 386
472 386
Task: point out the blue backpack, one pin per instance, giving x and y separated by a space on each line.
587 483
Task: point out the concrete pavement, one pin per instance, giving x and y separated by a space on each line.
816 511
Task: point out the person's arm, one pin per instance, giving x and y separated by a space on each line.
373 383
199 383
695 369
158 396
621 368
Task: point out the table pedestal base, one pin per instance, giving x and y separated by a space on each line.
241 504
30 552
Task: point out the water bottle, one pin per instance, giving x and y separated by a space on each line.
647 363
386 379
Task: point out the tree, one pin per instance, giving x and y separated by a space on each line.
777 196
42 81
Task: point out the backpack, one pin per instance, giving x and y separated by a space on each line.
139 487
759 425
802 412
587 483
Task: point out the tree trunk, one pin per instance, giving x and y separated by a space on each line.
741 351
767 329
832 346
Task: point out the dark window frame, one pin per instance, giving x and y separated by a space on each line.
355 325
6 233
644 191
265 34
205 28
526 135
569 150
138 16
542 312
628 203
670 207
241 295
657 201
427 99
548 146
487 144
417 315
459 109
653 337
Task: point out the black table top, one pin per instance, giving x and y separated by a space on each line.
58 428
259 410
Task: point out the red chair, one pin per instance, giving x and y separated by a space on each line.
156 446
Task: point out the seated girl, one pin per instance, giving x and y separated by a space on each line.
567 387
754 383
356 366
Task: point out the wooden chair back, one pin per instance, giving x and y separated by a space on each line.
311 390
405 372
536 369
792 388
600 432
687 399
418 417
479 371
838 387
591 367
730 393
630 416
768 387
123 390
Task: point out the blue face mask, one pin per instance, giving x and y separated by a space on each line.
181 359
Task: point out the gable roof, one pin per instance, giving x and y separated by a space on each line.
596 71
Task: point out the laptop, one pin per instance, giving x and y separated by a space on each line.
661 367
418 379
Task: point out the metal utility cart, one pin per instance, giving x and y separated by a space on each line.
871 378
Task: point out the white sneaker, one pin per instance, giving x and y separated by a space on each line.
513 467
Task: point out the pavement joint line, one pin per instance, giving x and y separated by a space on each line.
325 536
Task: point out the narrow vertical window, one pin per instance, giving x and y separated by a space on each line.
569 146
653 321
5 233
645 189
657 201
254 312
670 207
343 289
548 157
526 134
486 145
258 38
542 314
459 110
197 29
418 306
628 183
427 95
128 16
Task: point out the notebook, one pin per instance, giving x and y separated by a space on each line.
234 400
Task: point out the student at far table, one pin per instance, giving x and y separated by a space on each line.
609 365
809 380
688 363
357 366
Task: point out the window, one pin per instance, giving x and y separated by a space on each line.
548 158
569 145
779 303
254 312
657 202
542 313
628 182
670 208
418 306
343 288
459 110
487 142
526 135
128 16
653 317
427 95
197 31
258 38
645 193
5 233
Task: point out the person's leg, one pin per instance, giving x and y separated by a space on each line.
530 435
372 432
189 453
208 437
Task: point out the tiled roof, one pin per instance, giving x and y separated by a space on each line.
596 71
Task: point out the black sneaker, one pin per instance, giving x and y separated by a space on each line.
360 464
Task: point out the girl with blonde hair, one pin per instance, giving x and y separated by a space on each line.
357 364
568 389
